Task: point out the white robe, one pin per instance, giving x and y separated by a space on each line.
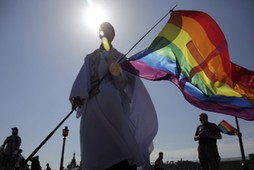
116 124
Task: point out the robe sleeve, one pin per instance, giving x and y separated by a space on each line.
81 86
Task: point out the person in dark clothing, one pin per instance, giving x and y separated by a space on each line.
48 167
207 134
35 163
11 147
159 165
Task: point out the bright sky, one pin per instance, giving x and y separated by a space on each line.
42 47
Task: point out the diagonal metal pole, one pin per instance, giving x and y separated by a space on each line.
49 136
244 164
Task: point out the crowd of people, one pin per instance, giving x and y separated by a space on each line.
11 155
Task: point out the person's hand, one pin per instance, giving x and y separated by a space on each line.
115 69
201 134
76 102
196 138
209 135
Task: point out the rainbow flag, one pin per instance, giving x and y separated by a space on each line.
226 128
191 51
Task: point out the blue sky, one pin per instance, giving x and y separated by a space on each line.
42 47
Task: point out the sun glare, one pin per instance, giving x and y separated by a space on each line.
94 17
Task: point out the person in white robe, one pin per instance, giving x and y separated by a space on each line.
118 119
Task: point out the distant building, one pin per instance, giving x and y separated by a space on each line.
73 164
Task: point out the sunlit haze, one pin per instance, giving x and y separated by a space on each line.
95 15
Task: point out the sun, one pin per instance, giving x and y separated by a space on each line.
94 17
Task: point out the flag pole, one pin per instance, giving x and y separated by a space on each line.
49 136
150 30
244 164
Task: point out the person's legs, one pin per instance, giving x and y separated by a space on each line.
203 158
214 157
204 164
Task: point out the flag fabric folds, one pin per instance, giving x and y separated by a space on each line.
226 128
191 51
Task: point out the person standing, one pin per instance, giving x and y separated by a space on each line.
11 147
159 164
48 167
207 134
36 165
116 130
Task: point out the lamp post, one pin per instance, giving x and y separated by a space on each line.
65 133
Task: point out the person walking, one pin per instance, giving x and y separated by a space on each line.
116 130
207 134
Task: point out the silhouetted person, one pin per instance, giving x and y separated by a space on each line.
48 168
11 148
207 134
110 101
35 163
159 165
